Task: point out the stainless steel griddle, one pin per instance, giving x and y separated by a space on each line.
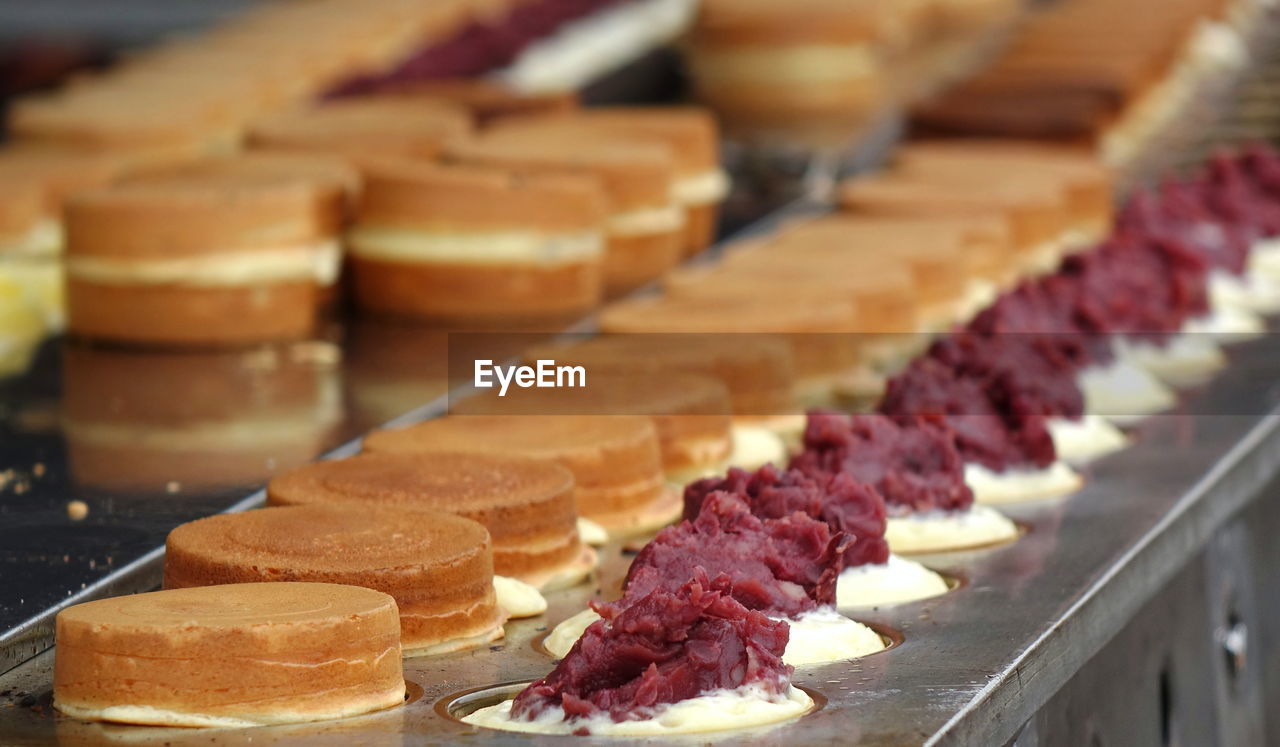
1143 610
972 666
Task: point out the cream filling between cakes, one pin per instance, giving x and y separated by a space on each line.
417 246
938 531
817 636
21 320
706 188
646 221
318 262
809 63
891 582
152 716
518 598
32 284
719 710
1021 483
44 239
1085 439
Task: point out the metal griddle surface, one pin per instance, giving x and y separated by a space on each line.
972 665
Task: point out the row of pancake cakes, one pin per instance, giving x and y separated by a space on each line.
1075 340
455 203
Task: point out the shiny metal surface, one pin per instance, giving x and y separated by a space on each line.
103 451
974 665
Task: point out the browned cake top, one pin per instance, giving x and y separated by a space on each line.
635 175
689 131
58 173
355 127
758 315
526 505
189 215
207 612
543 437
756 22
450 481
759 370
485 100
328 172
22 205
611 394
332 539
477 198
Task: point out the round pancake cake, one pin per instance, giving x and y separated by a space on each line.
691 134
882 301
690 412
527 505
358 129
206 260
809 72
438 567
238 655
1035 216
759 370
471 244
644 230
484 100
615 459
819 331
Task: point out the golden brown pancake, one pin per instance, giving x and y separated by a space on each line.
615 459
439 567
527 505
236 655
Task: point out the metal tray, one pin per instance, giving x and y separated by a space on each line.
972 666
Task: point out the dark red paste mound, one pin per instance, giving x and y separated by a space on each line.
781 566
839 500
1049 306
665 647
1178 212
1141 285
479 48
994 425
1237 197
1040 370
1260 165
912 461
